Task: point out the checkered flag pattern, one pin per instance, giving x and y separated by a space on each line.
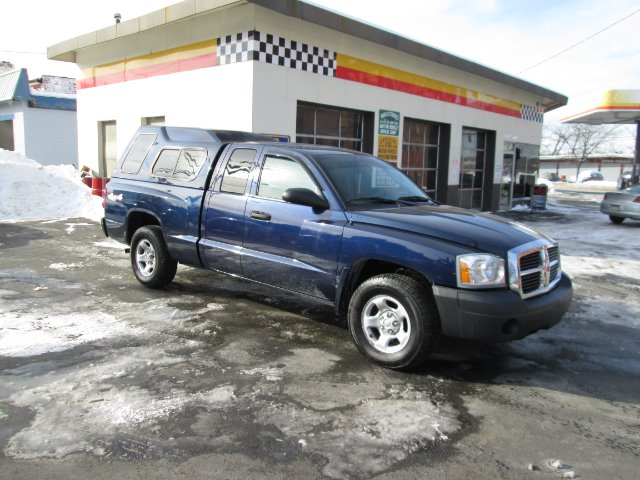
268 48
533 114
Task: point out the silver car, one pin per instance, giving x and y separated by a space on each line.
622 204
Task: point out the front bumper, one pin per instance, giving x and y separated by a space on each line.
500 315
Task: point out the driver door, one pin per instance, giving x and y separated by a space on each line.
290 246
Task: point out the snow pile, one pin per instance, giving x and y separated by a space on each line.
30 191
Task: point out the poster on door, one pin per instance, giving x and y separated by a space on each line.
388 148
388 132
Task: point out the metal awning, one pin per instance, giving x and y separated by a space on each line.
615 107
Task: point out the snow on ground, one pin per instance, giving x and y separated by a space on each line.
26 335
30 191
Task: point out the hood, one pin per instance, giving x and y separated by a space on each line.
478 231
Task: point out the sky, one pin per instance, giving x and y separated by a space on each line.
511 36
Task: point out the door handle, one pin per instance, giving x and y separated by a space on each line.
260 215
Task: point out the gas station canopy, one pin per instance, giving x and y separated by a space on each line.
614 106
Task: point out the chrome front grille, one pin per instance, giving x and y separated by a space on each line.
534 268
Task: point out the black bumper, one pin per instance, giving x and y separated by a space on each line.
499 315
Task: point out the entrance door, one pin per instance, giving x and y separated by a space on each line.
473 169
108 148
506 186
6 135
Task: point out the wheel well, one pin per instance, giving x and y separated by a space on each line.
370 268
137 220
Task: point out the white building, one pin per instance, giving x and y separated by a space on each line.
467 134
39 123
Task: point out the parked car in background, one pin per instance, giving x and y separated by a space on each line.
621 205
589 176
552 177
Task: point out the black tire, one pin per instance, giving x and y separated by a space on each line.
152 265
616 220
394 321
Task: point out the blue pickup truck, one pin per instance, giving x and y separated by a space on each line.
339 226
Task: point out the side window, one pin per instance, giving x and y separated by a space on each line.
166 163
279 174
189 163
236 173
179 164
137 152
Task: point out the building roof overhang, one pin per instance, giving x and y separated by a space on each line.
66 50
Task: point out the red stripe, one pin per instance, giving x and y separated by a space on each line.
618 107
412 89
165 68
605 108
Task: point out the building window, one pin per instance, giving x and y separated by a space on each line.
473 168
322 125
420 153
157 121
108 147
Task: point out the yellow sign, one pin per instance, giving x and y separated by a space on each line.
388 148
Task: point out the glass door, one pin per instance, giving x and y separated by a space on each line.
506 183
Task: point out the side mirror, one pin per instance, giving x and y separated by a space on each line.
304 196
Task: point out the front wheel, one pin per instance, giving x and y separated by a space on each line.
394 321
616 220
152 265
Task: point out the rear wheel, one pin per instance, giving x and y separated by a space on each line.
616 220
394 321
152 265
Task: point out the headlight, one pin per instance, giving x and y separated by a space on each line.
480 271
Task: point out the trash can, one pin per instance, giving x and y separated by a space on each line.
539 197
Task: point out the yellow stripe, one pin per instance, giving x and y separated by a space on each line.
421 81
169 55
620 98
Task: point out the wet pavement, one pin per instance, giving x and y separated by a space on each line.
214 377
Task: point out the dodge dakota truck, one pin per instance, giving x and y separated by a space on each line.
337 225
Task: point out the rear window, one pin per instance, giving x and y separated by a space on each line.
137 153
179 164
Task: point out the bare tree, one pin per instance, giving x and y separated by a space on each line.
577 140
555 137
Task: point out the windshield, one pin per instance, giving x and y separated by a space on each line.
362 178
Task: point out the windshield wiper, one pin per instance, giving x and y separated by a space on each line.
373 200
415 198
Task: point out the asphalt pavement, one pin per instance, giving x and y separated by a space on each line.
214 377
